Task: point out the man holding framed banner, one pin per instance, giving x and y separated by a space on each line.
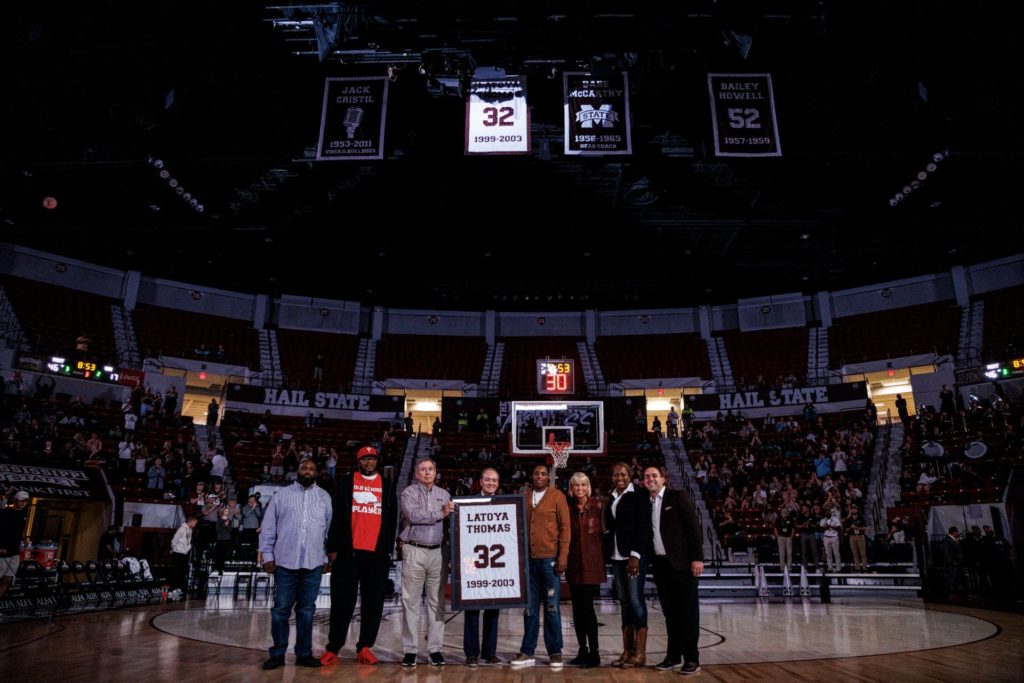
488 564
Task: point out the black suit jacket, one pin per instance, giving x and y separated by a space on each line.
680 530
339 538
631 526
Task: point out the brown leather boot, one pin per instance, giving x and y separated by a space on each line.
628 643
639 658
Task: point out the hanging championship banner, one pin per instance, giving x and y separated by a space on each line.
352 123
743 115
489 553
597 114
497 118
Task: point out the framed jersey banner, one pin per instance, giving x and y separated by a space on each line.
352 122
597 114
497 118
489 553
743 115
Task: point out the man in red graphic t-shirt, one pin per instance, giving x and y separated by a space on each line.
359 547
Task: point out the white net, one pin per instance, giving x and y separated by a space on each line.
560 451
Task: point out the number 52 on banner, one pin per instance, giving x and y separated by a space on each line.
497 118
489 553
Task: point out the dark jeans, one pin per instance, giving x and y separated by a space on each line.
369 572
179 571
294 588
584 618
677 592
809 550
471 633
545 587
220 553
631 593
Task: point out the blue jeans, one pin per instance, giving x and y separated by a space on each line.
546 586
471 633
631 593
296 588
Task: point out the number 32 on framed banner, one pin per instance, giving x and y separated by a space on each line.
497 118
489 553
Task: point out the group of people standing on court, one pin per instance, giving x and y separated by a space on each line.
307 530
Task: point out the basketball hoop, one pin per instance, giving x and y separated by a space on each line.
560 451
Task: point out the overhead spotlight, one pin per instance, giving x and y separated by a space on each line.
179 190
915 184
173 182
938 156
931 168
392 73
898 196
922 175
200 208
893 202
164 174
158 163
907 189
553 73
186 196
422 70
193 202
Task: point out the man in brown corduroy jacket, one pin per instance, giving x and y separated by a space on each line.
547 525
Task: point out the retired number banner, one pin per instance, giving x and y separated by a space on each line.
597 114
497 118
743 115
489 553
352 123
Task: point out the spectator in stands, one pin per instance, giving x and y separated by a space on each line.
463 420
672 423
157 475
12 529
628 520
856 530
252 518
318 367
292 543
424 509
409 423
947 402
224 537
783 532
656 427
45 384
129 423
82 342
953 562
585 567
897 532
220 355
181 546
471 645
212 414
832 525
170 404
110 544
218 465
547 521
331 463
810 413
901 409
435 428
806 526
265 475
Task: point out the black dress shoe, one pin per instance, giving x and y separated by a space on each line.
308 661
273 663
690 669
666 665
409 660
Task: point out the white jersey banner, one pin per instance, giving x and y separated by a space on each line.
489 553
497 118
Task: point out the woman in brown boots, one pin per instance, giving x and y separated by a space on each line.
628 520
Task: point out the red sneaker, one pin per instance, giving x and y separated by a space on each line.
328 658
365 656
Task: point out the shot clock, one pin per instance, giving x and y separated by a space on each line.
556 377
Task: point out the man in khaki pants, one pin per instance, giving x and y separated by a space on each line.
424 508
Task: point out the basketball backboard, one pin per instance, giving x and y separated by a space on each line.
579 422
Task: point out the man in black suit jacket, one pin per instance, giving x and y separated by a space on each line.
359 546
678 559
953 561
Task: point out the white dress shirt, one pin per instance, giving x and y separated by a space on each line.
659 545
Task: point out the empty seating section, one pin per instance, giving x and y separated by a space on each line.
54 317
656 355
922 329
1003 327
299 349
174 332
409 356
769 354
519 364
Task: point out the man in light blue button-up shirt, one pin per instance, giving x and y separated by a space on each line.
292 543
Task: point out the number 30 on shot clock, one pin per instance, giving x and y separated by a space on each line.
497 118
555 377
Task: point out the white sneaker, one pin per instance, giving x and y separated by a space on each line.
522 660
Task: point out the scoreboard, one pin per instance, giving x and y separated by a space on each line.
556 377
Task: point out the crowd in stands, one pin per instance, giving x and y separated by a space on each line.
798 478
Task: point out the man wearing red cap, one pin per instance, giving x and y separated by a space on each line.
359 547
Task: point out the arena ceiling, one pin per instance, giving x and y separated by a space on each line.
866 94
